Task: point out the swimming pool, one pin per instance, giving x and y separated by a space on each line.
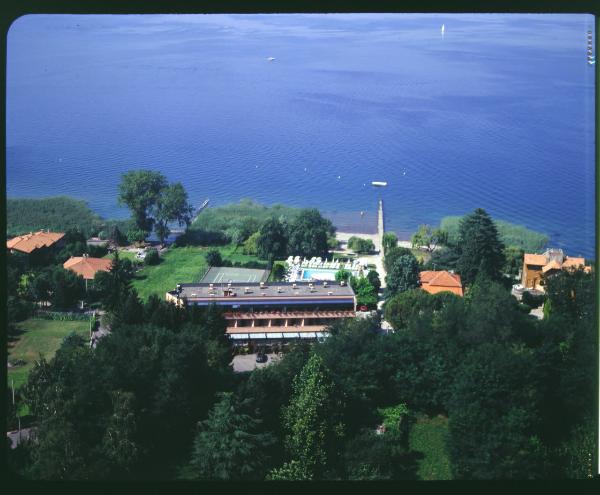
317 274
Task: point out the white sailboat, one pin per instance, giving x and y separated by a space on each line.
443 29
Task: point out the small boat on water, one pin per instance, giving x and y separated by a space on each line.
270 59
443 29
203 205
378 184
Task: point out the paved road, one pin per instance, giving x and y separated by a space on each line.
242 363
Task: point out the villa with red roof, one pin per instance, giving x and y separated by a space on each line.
538 266
441 281
34 241
87 267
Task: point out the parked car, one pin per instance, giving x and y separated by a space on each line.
261 357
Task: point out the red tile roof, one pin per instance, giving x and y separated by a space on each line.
535 259
87 267
440 281
28 243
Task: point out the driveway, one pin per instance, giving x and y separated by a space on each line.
247 362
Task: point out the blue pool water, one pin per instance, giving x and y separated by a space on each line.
318 274
498 114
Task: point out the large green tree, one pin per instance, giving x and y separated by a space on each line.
493 417
392 254
171 206
308 234
481 250
312 421
403 275
428 237
228 447
389 241
272 240
140 190
360 245
403 306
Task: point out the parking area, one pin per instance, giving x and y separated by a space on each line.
224 274
247 362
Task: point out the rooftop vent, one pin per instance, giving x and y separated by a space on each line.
229 284
262 284
342 283
210 285
246 290
279 290
325 284
294 286
263 293
194 295
329 293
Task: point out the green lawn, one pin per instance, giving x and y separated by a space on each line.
122 255
177 266
428 436
39 336
232 254
180 265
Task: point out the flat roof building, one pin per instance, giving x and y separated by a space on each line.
272 310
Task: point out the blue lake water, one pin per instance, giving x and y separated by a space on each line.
498 113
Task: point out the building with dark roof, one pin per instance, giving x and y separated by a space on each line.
272 310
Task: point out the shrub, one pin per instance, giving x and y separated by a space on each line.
359 245
213 257
532 300
525 308
152 257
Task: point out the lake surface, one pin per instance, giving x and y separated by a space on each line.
498 113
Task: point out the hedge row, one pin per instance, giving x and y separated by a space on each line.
56 315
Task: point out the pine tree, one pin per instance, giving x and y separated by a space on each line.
227 446
481 251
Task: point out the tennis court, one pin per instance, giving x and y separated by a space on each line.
223 274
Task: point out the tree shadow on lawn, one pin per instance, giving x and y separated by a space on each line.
409 465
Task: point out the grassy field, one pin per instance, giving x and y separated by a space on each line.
39 336
428 436
123 255
178 265
233 255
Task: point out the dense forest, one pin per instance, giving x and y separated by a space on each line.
158 399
